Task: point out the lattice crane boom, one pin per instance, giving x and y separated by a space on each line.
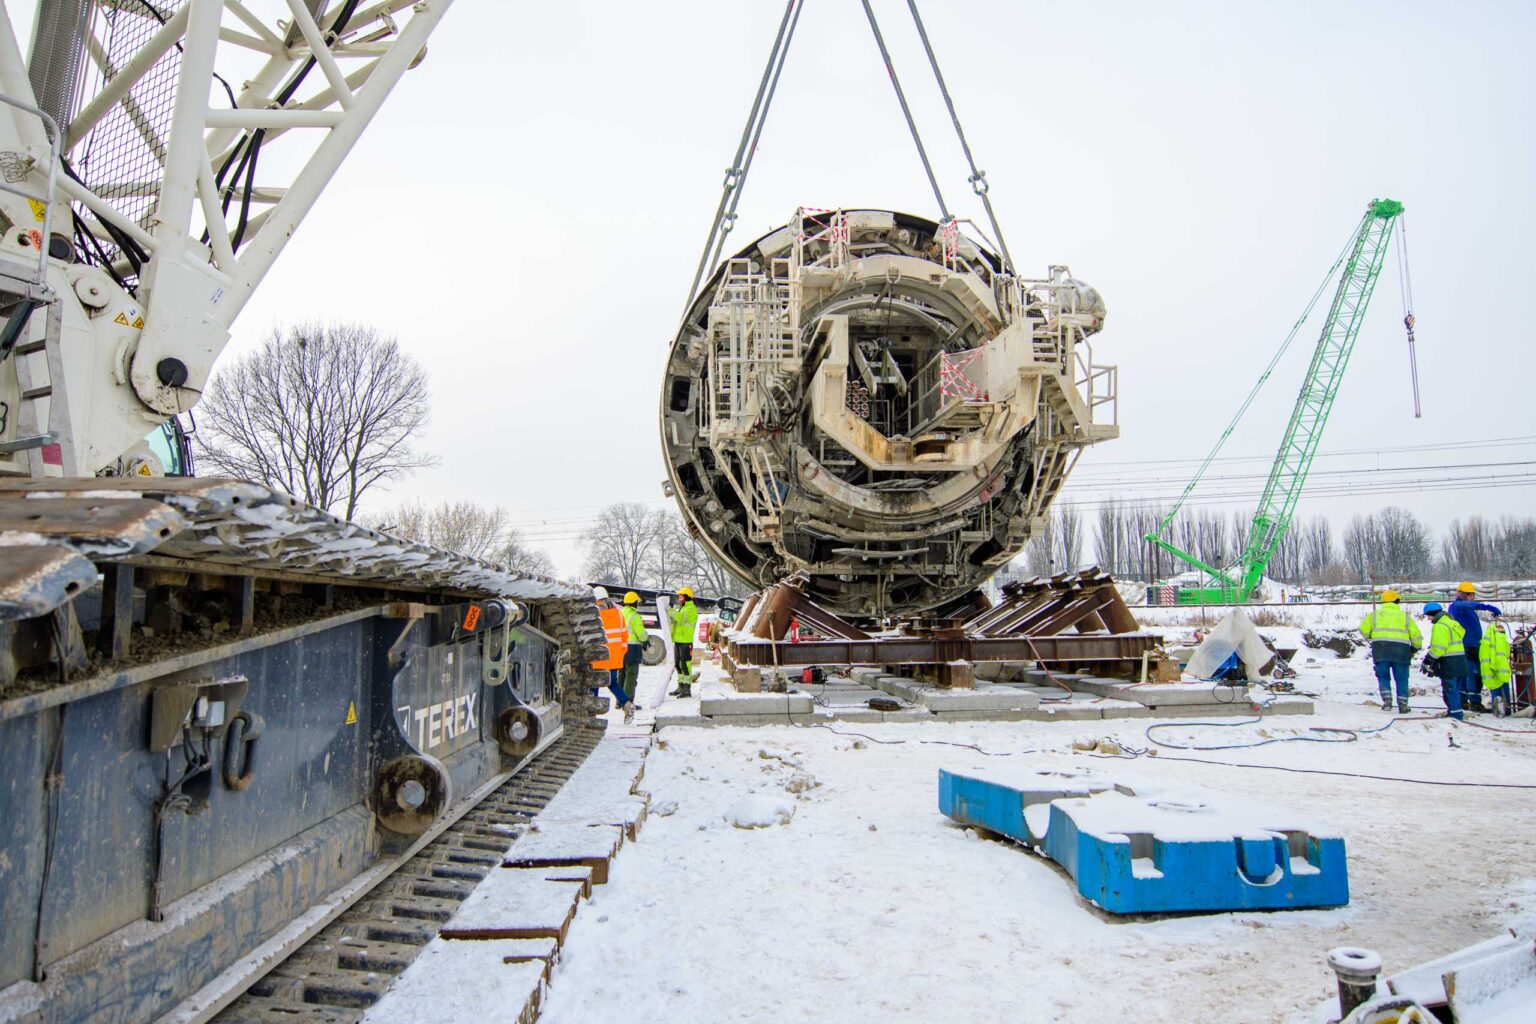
1362 262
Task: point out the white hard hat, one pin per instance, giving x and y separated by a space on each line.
599 594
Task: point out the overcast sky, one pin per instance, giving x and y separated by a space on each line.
527 211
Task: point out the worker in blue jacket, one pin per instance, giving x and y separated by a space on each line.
1464 610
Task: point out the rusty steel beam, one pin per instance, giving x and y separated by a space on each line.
903 650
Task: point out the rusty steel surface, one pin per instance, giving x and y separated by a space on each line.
1078 649
244 528
94 527
1030 624
37 578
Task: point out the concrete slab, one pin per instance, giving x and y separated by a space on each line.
1013 715
1065 713
756 704
451 982
562 844
989 699
515 904
1164 694
752 721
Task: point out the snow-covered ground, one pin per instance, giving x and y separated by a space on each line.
867 904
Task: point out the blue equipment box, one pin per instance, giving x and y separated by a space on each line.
1148 853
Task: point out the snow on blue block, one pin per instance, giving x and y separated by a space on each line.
1157 851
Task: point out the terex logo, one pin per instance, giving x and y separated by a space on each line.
435 724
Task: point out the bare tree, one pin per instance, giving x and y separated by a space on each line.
322 410
619 544
668 561
469 529
461 526
521 559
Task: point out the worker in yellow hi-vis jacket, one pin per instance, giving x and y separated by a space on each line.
685 623
1493 653
1394 638
629 676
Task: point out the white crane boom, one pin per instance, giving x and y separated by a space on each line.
138 229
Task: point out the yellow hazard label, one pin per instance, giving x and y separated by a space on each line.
143 470
137 323
351 714
39 210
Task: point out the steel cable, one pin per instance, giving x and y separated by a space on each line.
978 178
901 97
749 133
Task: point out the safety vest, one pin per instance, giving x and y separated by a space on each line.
1494 655
615 637
1445 639
1391 622
685 619
634 624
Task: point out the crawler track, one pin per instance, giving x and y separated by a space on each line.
353 961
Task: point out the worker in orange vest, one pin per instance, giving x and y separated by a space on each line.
615 639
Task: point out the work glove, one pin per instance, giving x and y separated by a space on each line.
1431 665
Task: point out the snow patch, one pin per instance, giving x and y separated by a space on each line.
760 810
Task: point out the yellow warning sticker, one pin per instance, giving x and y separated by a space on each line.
138 323
143 470
39 210
351 713
122 318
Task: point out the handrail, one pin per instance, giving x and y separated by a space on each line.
51 128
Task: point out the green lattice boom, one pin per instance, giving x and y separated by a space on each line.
1318 390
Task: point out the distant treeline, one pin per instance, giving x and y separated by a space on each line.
1391 544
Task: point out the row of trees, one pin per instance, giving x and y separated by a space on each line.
328 411
633 545
1390 544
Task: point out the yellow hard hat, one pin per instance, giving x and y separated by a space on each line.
631 598
1465 587
684 591
1390 595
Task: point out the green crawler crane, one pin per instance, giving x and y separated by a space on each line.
1362 260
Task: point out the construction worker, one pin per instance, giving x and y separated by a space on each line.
615 638
1447 657
1464 610
1494 655
630 675
1394 640
685 624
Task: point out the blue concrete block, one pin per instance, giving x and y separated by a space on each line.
1152 853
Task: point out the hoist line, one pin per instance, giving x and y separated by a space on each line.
978 178
746 166
749 133
1263 378
901 97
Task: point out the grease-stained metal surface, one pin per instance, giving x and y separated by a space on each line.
37 578
237 524
143 861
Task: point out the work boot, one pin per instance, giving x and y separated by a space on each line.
1402 707
629 713
1386 703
